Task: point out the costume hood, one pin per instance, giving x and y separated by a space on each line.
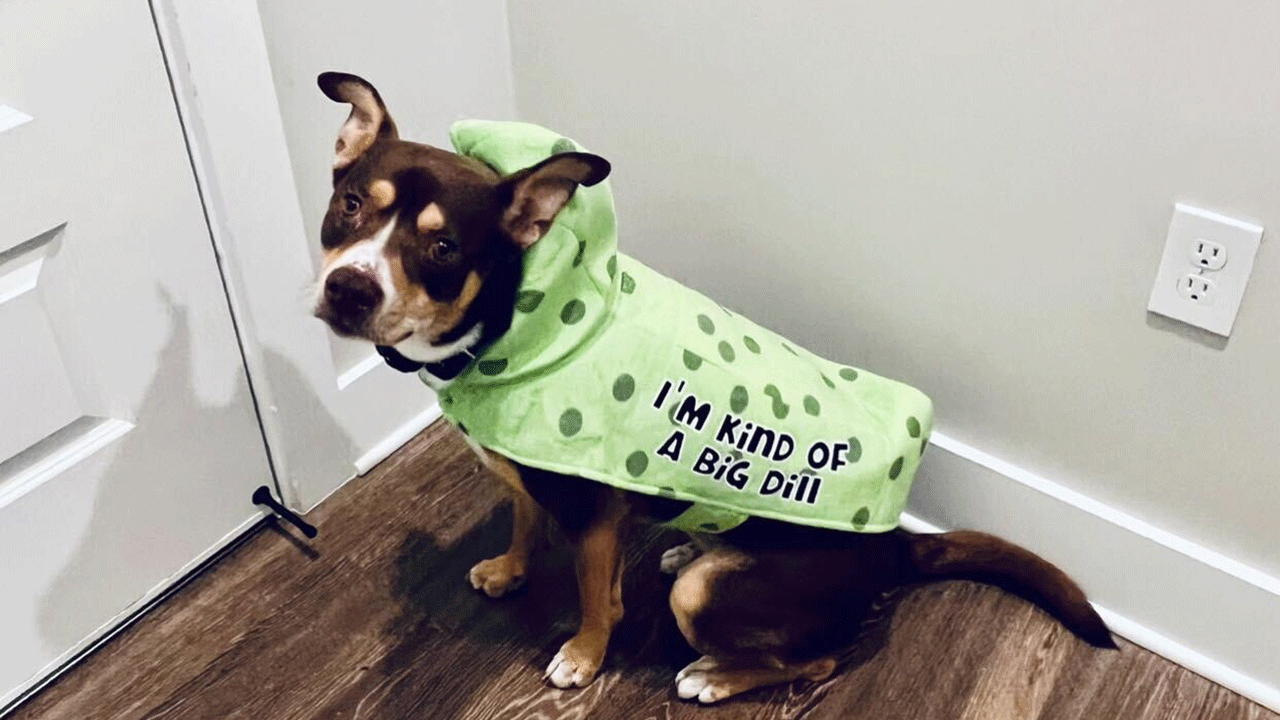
613 372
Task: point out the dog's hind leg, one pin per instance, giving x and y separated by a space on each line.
675 559
753 630
710 680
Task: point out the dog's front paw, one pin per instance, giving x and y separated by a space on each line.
677 557
576 664
497 576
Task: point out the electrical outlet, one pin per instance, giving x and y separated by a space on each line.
1196 288
1206 264
1208 254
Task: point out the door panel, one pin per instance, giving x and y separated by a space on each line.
128 441
38 396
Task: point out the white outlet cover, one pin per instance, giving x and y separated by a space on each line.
1189 226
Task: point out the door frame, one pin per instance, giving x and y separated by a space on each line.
222 81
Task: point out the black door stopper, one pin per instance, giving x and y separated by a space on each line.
262 496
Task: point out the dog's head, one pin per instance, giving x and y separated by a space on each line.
422 246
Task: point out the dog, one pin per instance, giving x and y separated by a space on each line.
423 256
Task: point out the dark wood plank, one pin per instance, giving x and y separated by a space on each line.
375 620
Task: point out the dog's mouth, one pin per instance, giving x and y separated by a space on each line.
342 325
359 326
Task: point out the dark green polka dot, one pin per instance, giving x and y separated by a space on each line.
738 399
705 323
637 462
726 351
780 409
811 405
896 469
492 367
570 422
849 374
563 145
790 349
529 300
861 517
573 311
671 412
710 527
623 387
447 399
692 360
855 450
827 380
666 492
612 266
924 443
751 344
913 427
628 283
582 249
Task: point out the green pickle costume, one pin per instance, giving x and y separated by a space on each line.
615 373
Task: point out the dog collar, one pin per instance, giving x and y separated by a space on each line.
446 369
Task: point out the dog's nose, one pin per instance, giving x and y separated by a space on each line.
352 296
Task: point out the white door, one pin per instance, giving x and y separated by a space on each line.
128 442
262 135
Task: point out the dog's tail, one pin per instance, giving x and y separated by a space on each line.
985 558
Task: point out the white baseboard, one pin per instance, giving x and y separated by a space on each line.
399 437
1205 611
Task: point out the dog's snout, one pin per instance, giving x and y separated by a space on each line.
351 296
349 289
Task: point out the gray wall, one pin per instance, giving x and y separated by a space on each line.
969 197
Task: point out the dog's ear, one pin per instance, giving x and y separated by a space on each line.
531 198
368 121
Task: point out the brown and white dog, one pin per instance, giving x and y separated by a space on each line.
422 252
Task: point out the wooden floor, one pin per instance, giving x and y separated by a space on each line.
374 620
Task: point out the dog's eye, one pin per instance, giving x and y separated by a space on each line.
443 250
351 204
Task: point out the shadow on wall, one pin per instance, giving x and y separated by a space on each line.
1190 332
329 445
152 470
